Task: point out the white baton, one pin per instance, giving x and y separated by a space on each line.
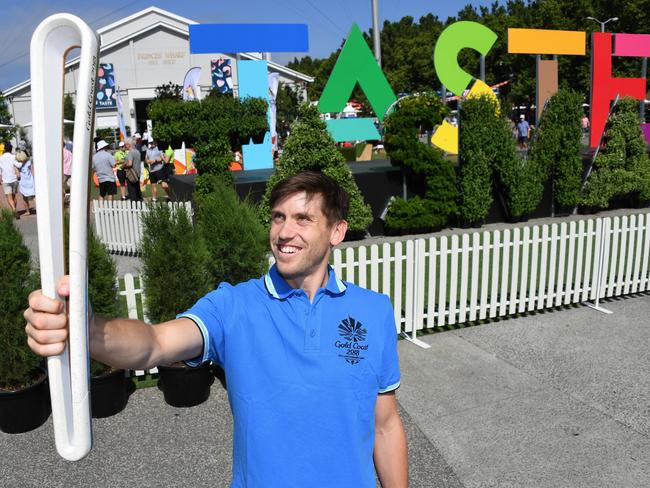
68 372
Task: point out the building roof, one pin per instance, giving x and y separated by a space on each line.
122 31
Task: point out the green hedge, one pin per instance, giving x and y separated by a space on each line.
622 167
238 120
310 147
437 202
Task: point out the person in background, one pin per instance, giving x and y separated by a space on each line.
120 156
523 132
103 164
67 168
168 159
132 160
26 185
9 174
154 158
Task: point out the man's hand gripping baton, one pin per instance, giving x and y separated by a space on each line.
68 372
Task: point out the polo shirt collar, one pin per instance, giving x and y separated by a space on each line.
280 289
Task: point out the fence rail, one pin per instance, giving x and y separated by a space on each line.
118 224
448 280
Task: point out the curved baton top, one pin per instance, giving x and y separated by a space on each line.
68 372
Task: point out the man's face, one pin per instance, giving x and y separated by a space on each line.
301 237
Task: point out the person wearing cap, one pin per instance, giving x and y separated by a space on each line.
120 156
154 158
103 164
523 132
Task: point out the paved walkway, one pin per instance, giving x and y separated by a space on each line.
554 399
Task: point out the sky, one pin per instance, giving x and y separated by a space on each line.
328 21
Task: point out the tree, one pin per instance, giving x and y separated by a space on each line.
5 118
287 107
310 147
169 91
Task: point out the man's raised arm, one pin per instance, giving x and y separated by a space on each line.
121 343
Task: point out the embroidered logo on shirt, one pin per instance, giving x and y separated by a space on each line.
355 333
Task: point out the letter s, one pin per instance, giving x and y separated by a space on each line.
453 39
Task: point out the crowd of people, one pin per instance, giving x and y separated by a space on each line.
17 177
125 166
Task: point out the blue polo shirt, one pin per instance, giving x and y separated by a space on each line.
303 378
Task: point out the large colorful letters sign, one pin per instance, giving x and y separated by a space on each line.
356 64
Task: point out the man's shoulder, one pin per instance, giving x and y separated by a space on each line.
366 297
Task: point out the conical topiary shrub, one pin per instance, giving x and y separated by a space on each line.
18 365
174 262
236 240
311 148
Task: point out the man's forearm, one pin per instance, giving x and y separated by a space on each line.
391 457
123 343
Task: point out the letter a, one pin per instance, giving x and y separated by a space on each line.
356 64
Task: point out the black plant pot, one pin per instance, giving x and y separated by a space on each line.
26 409
108 394
185 387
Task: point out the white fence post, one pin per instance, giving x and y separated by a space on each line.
600 264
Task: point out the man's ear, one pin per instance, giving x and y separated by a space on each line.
338 232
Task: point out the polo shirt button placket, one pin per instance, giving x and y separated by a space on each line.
312 342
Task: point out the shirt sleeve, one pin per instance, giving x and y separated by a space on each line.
389 377
212 314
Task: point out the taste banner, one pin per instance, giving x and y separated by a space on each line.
106 95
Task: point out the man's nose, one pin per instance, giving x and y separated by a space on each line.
287 229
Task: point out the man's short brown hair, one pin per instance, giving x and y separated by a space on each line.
335 199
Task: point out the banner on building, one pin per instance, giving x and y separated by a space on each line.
221 74
191 90
106 94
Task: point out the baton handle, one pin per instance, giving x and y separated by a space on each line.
69 371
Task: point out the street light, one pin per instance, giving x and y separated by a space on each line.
602 24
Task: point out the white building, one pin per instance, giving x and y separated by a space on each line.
146 49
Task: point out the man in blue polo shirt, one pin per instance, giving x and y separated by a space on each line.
310 361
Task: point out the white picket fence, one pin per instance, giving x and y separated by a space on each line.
118 223
446 280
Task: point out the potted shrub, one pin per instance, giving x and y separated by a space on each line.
108 386
174 274
24 395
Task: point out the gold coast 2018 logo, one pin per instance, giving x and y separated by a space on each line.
354 334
